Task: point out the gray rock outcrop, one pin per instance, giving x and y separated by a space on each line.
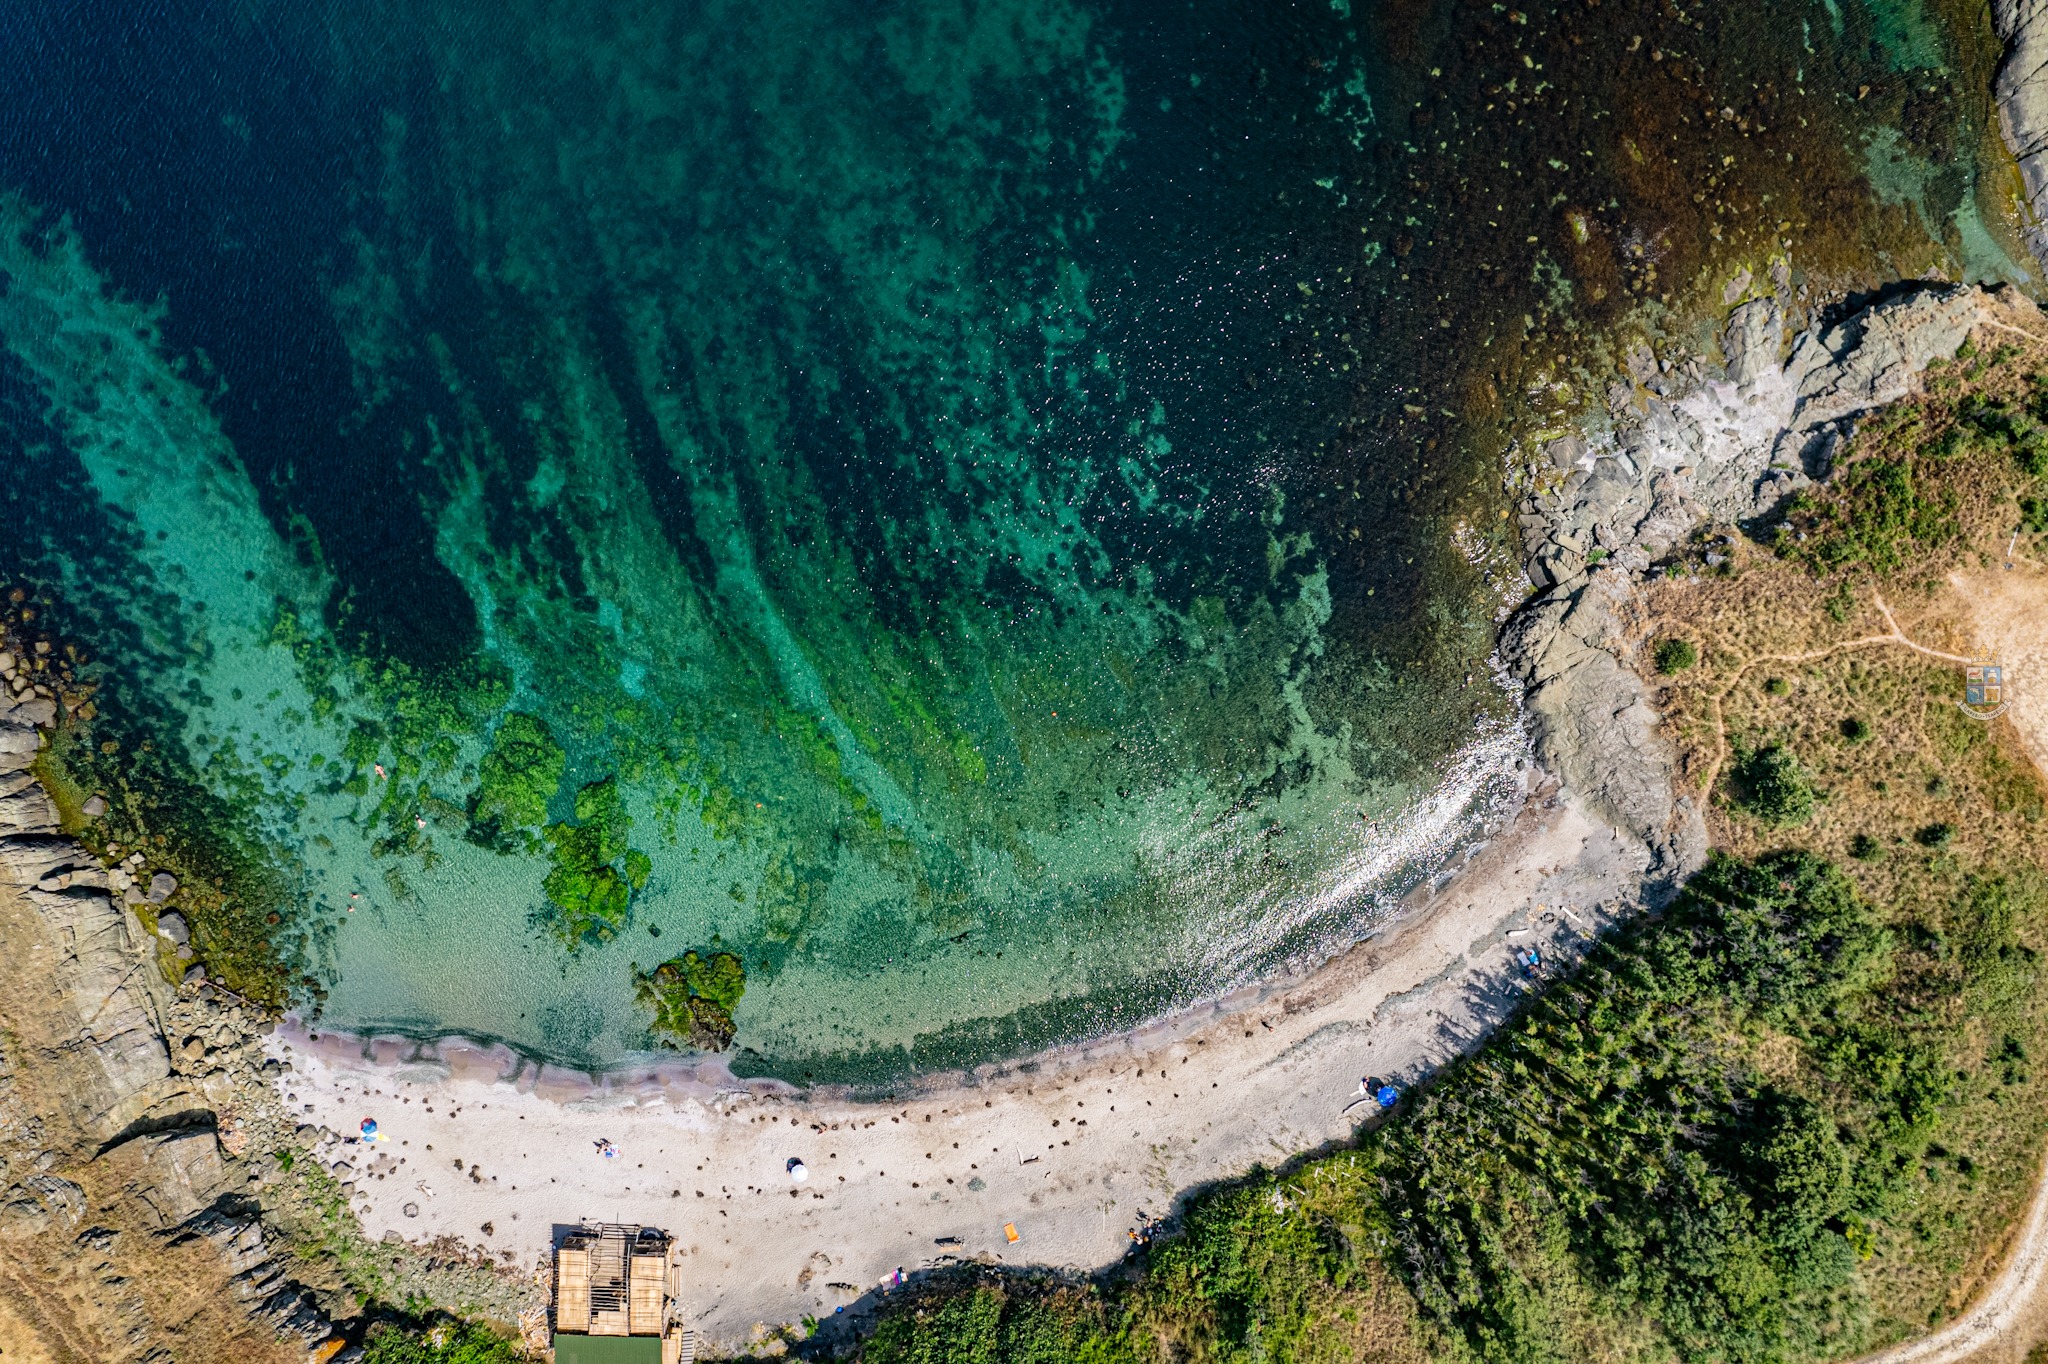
1727 444
38 1204
1592 724
2022 92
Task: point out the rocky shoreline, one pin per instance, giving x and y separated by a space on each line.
1691 444
160 1087
2021 91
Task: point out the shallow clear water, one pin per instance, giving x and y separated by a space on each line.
994 486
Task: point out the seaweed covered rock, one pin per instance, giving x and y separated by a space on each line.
693 998
517 777
591 895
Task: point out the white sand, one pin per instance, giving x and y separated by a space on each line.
1075 1149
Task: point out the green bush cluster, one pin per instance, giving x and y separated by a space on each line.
1616 1129
1772 785
1873 515
1676 655
1880 511
449 1342
693 998
990 1325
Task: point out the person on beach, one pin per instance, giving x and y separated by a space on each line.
606 1149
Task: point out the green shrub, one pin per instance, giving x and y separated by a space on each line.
1873 515
1864 848
1772 786
451 1342
1856 730
1777 686
1676 655
1936 836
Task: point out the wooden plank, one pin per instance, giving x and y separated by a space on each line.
609 1323
644 1300
572 1290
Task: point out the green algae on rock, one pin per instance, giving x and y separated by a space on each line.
590 895
516 779
693 998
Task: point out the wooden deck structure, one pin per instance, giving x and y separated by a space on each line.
615 1280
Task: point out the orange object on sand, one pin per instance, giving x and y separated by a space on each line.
1010 1230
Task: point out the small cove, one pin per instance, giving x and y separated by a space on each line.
1010 498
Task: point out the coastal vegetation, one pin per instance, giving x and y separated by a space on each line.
1763 1125
1930 475
1676 655
1792 1116
692 998
1773 787
447 1342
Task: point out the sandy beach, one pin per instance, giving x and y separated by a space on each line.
1074 1149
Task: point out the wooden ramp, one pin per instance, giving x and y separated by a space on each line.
608 1283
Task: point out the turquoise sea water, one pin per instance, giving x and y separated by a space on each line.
980 480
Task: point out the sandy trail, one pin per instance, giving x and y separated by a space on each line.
1075 1148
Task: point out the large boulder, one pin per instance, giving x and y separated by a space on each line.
175 1175
1591 718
